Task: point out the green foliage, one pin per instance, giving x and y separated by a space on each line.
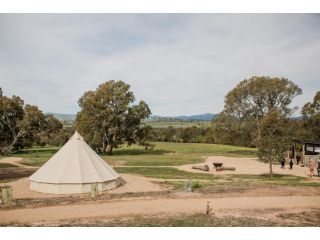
258 95
108 117
312 108
185 134
275 137
310 126
11 113
23 125
248 103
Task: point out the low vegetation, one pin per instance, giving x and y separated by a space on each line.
297 219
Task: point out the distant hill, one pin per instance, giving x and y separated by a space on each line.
200 117
63 116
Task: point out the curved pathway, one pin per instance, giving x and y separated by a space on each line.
111 209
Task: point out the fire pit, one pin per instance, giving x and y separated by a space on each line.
217 164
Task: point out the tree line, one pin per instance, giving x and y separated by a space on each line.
24 125
257 113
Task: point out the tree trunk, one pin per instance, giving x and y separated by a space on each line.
271 173
104 146
109 149
8 149
258 129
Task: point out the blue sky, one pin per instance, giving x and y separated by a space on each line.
180 64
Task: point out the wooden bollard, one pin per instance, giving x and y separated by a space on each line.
94 191
6 193
209 209
188 185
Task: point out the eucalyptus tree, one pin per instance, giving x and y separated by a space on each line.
253 98
109 117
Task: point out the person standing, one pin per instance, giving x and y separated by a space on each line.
291 163
312 166
282 162
318 168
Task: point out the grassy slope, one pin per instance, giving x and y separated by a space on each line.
164 154
156 163
171 154
240 179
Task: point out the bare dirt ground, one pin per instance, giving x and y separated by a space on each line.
133 184
15 161
245 166
113 209
142 202
271 217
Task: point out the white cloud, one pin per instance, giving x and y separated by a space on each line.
177 63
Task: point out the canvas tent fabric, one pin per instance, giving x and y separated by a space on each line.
74 169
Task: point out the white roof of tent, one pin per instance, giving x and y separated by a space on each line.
75 162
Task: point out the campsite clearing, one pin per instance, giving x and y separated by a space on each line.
155 189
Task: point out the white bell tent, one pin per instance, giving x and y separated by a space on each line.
73 169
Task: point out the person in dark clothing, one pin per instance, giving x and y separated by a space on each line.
298 160
282 162
318 168
291 163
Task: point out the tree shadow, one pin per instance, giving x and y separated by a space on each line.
123 151
36 150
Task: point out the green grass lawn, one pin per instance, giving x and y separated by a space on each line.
212 180
38 156
206 149
172 154
164 154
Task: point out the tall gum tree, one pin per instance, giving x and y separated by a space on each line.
311 119
275 137
256 96
109 117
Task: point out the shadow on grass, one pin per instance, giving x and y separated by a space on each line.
36 150
123 151
252 153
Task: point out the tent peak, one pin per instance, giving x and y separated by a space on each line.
76 136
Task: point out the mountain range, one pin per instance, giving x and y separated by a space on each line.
199 117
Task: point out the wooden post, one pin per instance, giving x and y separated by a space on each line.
188 185
7 194
303 155
208 209
94 191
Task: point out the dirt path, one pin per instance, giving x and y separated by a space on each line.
112 209
245 166
15 161
133 183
